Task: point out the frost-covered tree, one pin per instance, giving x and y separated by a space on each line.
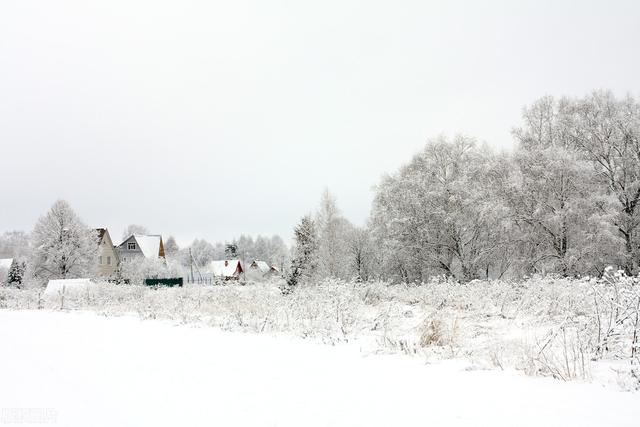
334 231
272 249
231 251
440 215
16 273
304 262
563 216
362 254
202 252
278 254
134 229
260 249
564 219
607 131
15 244
148 268
171 247
63 246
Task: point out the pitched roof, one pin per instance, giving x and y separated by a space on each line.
261 265
149 244
225 268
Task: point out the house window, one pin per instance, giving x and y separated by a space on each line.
100 260
131 246
108 260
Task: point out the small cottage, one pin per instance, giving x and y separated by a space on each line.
261 270
225 270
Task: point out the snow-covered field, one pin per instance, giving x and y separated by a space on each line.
81 369
567 329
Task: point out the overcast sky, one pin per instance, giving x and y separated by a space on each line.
211 119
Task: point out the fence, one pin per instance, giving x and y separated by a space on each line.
164 282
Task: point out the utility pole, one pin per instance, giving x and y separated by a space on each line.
193 261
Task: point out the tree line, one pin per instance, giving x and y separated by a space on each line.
564 201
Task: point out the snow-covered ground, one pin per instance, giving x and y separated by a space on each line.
81 369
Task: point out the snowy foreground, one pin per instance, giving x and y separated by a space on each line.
81 369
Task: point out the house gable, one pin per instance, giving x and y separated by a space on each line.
148 246
108 259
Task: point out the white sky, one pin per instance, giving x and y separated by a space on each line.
210 119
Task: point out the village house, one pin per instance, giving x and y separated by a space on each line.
141 245
225 270
107 255
260 270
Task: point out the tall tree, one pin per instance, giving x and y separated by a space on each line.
305 257
333 239
16 273
278 253
64 247
362 254
607 131
439 214
555 197
202 251
15 244
171 247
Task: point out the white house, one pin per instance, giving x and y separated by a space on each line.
230 269
261 270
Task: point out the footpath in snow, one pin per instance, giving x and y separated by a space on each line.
79 369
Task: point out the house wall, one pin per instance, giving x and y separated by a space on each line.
107 257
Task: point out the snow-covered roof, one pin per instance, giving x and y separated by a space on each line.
149 244
261 265
6 263
226 268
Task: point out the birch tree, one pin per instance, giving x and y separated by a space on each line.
333 239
